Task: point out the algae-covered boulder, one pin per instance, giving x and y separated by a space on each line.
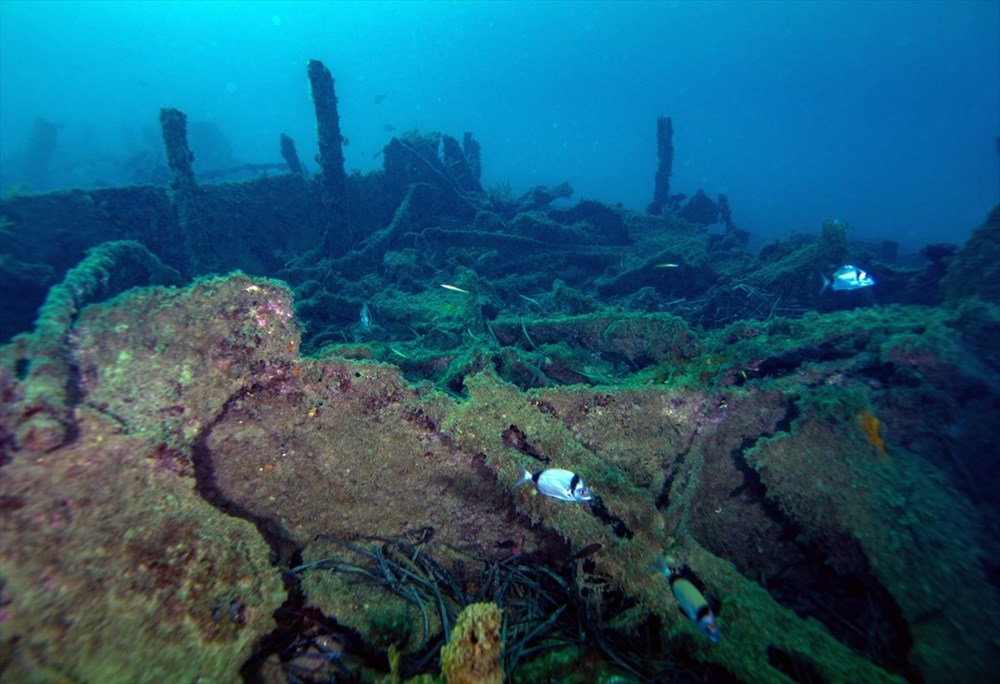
113 568
975 272
113 565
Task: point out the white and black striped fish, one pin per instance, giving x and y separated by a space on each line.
558 484
847 278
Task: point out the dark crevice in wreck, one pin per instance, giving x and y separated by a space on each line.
797 667
110 415
514 438
882 372
784 425
283 549
293 618
618 526
662 501
297 625
851 602
783 365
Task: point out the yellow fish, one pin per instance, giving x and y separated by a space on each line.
690 600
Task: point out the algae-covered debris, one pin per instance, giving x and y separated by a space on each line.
207 473
43 421
194 405
974 273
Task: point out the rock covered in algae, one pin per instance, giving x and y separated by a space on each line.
114 566
472 655
114 569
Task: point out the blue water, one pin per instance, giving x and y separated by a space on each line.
884 115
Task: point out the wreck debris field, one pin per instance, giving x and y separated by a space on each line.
264 424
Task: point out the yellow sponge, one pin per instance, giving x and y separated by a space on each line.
472 655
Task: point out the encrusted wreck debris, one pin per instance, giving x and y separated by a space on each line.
664 169
245 478
332 179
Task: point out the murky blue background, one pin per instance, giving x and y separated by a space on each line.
884 115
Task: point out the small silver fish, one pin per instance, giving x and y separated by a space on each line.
365 317
690 600
847 277
558 484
